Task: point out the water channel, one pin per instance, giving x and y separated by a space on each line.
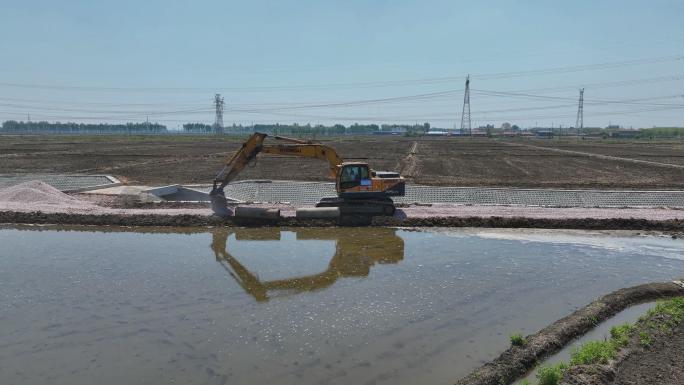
84 305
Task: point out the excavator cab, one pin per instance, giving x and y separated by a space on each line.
354 175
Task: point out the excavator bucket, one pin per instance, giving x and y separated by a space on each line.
219 205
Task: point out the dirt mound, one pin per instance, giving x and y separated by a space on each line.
34 191
39 196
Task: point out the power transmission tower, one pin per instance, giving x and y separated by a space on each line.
218 123
579 124
465 115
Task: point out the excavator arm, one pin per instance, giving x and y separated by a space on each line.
255 145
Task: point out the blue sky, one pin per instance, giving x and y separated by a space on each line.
279 61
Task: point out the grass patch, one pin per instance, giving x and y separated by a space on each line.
600 352
620 334
551 375
593 352
645 339
518 340
673 308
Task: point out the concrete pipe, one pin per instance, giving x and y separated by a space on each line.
318 212
256 213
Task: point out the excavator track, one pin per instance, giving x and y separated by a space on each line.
366 207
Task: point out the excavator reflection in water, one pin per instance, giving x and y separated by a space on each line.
356 251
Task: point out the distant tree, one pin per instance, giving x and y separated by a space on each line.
197 127
13 126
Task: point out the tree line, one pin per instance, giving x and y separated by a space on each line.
12 126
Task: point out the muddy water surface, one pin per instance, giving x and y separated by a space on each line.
295 306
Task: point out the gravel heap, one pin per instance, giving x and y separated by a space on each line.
34 191
34 196
39 196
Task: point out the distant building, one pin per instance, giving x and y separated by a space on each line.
544 134
625 134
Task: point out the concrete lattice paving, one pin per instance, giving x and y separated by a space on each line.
308 193
64 183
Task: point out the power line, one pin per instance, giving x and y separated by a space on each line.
361 102
145 112
579 68
44 102
413 118
599 101
388 83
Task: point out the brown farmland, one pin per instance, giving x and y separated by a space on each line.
436 161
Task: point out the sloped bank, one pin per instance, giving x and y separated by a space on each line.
646 352
189 220
518 360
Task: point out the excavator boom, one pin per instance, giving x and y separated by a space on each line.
253 147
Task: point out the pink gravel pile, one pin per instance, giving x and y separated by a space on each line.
39 196
34 191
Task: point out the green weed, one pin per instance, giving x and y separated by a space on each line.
620 334
518 340
551 375
593 352
673 308
645 339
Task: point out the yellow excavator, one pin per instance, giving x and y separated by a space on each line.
360 190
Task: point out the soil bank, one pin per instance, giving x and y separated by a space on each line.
651 357
190 220
516 361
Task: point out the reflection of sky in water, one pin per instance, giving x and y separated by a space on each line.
122 307
285 258
625 242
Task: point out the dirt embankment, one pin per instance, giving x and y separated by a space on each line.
653 355
663 364
188 220
516 361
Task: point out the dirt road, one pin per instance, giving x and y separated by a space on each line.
601 156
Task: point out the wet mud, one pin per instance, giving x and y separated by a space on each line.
187 220
516 361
